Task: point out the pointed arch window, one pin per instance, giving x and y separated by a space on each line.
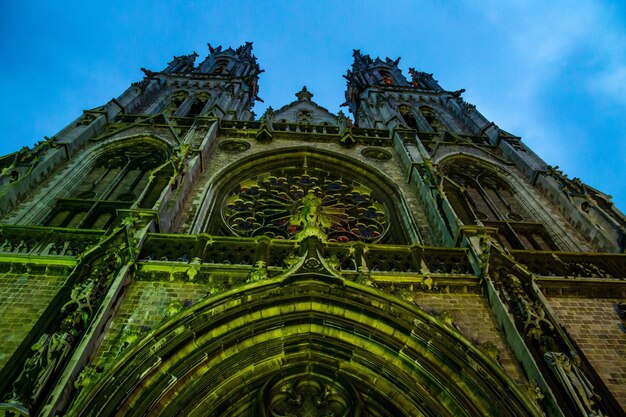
408 117
175 102
479 195
198 104
133 175
431 118
295 192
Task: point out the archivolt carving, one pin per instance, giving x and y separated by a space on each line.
304 346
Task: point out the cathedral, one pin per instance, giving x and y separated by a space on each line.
169 253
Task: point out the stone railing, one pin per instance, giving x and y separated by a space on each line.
418 259
305 128
322 132
370 133
239 124
574 265
44 241
204 249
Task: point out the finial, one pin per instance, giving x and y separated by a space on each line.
304 94
215 50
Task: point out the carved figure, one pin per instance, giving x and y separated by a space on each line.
414 77
49 352
87 377
574 381
259 272
534 393
291 260
174 308
333 262
311 217
446 318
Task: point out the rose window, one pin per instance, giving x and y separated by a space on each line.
286 204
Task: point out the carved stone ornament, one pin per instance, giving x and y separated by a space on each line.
376 154
295 203
311 396
259 272
234 146
575 383
51 351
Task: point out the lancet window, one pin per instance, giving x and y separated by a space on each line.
131 175
198 104
481 196
175 103
431 118
408 117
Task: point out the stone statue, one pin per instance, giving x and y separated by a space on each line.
574 381
259 272
49 352
414 77
269 117
311 217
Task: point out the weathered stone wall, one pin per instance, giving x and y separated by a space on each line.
144 307
23 299
476 322
597 328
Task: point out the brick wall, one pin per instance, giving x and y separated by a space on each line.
476 322
23 298
144 307
596 327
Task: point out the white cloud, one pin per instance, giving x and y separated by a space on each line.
549 38
611 82
549 45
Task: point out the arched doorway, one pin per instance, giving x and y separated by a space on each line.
306 344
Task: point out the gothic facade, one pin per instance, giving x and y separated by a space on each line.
169 254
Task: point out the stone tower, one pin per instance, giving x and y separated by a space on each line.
168 254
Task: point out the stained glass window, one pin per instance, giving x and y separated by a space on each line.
281 203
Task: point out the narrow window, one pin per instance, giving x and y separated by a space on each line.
198 105
408 117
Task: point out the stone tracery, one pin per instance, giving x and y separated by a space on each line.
479 195
282 203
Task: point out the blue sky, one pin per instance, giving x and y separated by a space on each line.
551 72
